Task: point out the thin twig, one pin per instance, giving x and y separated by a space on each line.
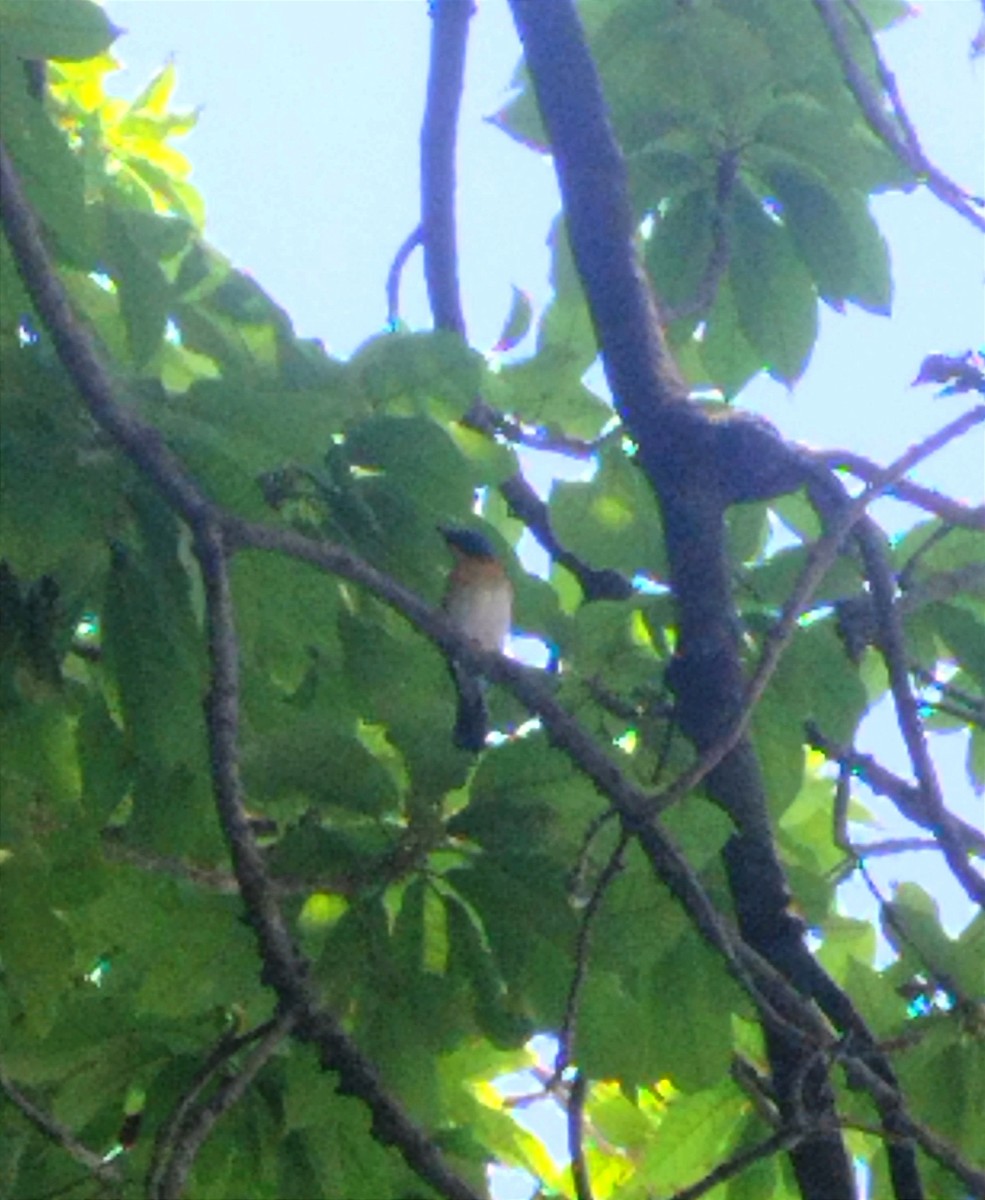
905 796
893 647
193 1122
901 138
783 1139
407 248
576 1138
953 511
489 420
720 256
58 1133
169 1139
566 1037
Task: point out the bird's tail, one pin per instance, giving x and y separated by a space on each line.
472 719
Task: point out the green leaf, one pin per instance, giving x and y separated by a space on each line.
694 1131
835 236
143 288
547 390
774 296
65 29
415 375
944 1078
321 765
677 254
691 1042
517 324
60 488
761 1179
104 761
940 548
725 351
611 643
773 581
396 679
613 1033
778 738
154 651
748 531
964 636
611 521
51 175
470 957
826 136
35 942
418 456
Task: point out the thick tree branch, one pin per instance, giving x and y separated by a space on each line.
592 177
697 468
449 36
900 137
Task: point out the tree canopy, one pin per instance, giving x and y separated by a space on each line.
266 931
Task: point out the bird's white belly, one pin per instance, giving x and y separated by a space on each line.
483 614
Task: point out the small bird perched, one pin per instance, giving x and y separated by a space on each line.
479 600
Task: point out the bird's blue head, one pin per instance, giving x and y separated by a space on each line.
468 542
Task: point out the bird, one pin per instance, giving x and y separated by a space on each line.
479 602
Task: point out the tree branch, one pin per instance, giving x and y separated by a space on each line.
892 645
822 555
592 177
901 138
405 250
576 1138
58 1133
449 36
190 1123
721 249
783 1139
952 511
905 796
566 1037
697 468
